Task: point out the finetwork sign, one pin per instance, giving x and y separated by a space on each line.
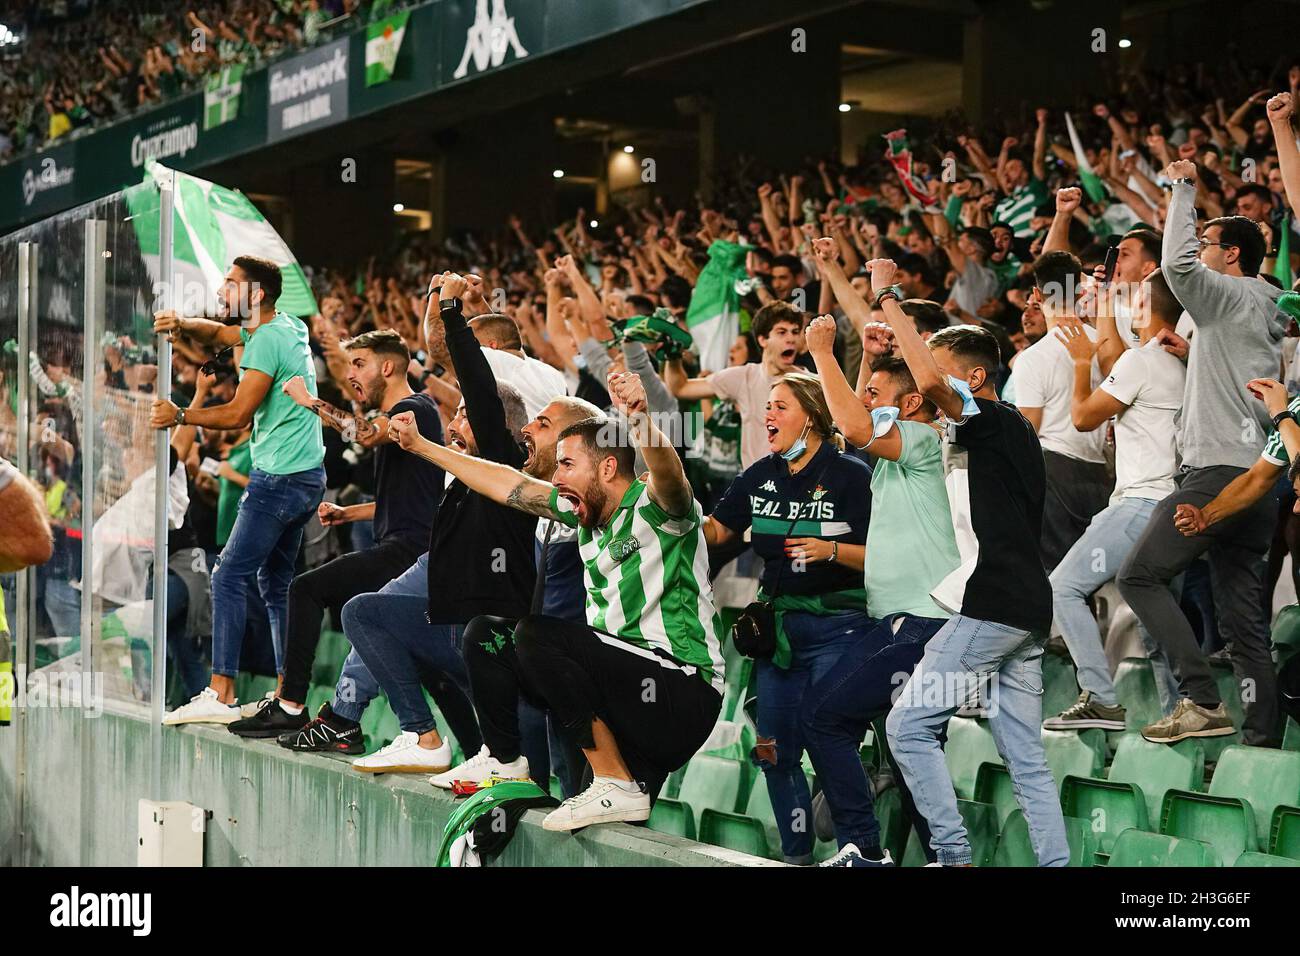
489 39
309 91
50 176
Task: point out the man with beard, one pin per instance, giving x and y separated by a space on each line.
639 685
287 480
479 561
407 492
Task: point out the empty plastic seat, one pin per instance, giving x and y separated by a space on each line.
1139 848
734 831
1284 839
993 786
1135 686
711 783
1158 768
1078 752
1249 784
759 807
1016 849
1264 859
1109 807
1286 632
970 743
981 822
1060 686
672 816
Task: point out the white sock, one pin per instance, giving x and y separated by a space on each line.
630 786
291 711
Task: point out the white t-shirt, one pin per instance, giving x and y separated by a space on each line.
538 383
748 387
975 285
1044 378
1151 383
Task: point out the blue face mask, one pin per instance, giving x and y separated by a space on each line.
962 388
882 420
795 451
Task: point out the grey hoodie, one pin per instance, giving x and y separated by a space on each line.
1239 333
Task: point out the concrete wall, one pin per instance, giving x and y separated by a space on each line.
269 807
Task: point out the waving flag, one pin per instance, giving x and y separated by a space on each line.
900 157
383 43
714 313
1091 181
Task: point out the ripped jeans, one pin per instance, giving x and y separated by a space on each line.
816 643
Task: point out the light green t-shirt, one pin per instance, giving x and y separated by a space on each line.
911 546
286 436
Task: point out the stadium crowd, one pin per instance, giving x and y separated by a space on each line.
83 63
932 401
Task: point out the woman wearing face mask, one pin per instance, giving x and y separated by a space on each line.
806 505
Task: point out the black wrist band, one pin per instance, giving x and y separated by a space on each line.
1282 416
445 304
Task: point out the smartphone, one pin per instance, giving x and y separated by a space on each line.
210 467
1112 257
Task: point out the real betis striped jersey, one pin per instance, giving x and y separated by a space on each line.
1017 209
647 580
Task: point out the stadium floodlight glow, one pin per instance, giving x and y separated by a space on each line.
398 207
845 107
7 36
1125 43
594 224
557 173
629 149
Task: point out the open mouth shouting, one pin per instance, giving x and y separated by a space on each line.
455 442
532 450
788 356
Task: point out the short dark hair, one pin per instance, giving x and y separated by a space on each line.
1255 189
926 315
982 238
971 344
640 304
1163 303
676 292
915 264
896 368
602 437
263 273
382 342
1246 236
793 263
500 327
772 313
1061 270
1150 241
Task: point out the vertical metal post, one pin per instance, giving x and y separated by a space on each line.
22 613
94 291
162 474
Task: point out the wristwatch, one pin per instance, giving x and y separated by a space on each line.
180 417
446 304
1185 180
1282 416
896 291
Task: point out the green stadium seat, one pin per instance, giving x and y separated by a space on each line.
1264 859
735 832
970 743
1139 848
1291 736
1060 687
993 786
739 675
1135 686
1109 807
1249 784
711 783
759 808
894 824
981 821
672 816
1016 849
1081 753
379 724
331 652
1158 768
251 687
673 785
1286 632
1284 834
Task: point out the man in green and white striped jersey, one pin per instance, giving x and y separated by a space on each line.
639 686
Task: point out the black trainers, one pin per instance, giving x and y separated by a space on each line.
328 733
270 721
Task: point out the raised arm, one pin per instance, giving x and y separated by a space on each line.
1180 261
847 410
1088 408
1058 236
1280 109
352 426
207 331
667 485
501 483
478 386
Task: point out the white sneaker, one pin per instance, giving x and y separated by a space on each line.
251 709
602 802
850 855
480 769
205 707
405 755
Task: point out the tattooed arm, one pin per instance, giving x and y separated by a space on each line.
503 484
351 426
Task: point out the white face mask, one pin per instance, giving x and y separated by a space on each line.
796 451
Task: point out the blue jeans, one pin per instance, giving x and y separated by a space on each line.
263 547
840 707
816 643
389 631
1093 560
964 652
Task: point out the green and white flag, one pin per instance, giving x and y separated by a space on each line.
211 226
714 313
383 41
1091 181
221 95
1282 267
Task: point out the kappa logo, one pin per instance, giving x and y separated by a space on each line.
623 549
489 39
769 486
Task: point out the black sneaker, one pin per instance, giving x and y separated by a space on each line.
328 733
270 721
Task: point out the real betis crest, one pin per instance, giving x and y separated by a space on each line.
819 493
623 549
